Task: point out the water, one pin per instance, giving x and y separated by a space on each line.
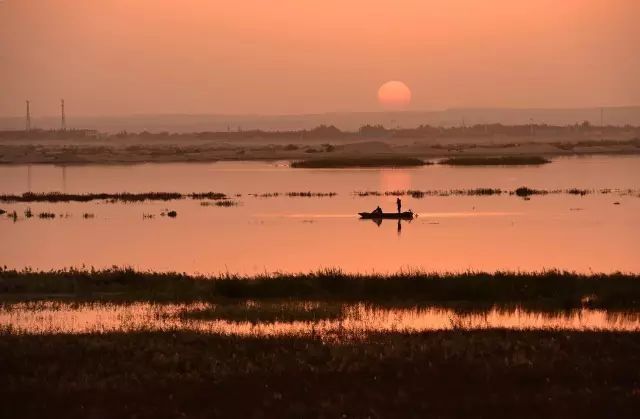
582 233
55 317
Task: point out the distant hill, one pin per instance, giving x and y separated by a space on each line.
618 116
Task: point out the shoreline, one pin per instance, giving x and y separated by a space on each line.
129 153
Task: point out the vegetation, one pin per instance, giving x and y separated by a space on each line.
489 373
522 191
524 131
311 194
552 289
436 192
207 195
267 312
495 161
346 162
226 203
53 197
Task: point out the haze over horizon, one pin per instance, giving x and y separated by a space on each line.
282 57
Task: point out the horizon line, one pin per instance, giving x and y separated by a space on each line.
276 115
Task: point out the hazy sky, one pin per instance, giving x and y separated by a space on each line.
304 56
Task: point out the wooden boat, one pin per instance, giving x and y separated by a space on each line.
407 215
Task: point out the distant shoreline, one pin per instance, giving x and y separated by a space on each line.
57 153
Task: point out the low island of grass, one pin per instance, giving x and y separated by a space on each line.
550 289
55 197
495 161
346 162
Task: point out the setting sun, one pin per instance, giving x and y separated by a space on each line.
394 95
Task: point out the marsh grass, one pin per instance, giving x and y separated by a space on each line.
556 289
226 203
310 194
307 194
267 312
495 161
435 374
53 197
522 191
346 162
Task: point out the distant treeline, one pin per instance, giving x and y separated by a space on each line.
330 131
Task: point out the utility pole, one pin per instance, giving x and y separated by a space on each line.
27 126
63 118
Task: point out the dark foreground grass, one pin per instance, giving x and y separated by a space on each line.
450 374
495 161
346 162
551 289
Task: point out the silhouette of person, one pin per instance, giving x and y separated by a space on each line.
399 204
399 227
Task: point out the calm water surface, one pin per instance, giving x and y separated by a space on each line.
587 233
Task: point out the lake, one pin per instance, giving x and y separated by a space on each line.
595 232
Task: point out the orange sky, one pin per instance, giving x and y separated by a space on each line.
304 56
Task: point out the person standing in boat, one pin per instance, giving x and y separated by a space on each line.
399 204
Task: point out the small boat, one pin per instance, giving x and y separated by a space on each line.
407 215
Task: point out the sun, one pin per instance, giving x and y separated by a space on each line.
394 95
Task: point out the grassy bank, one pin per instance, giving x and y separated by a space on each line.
545 289
346 162
495 161
491 373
